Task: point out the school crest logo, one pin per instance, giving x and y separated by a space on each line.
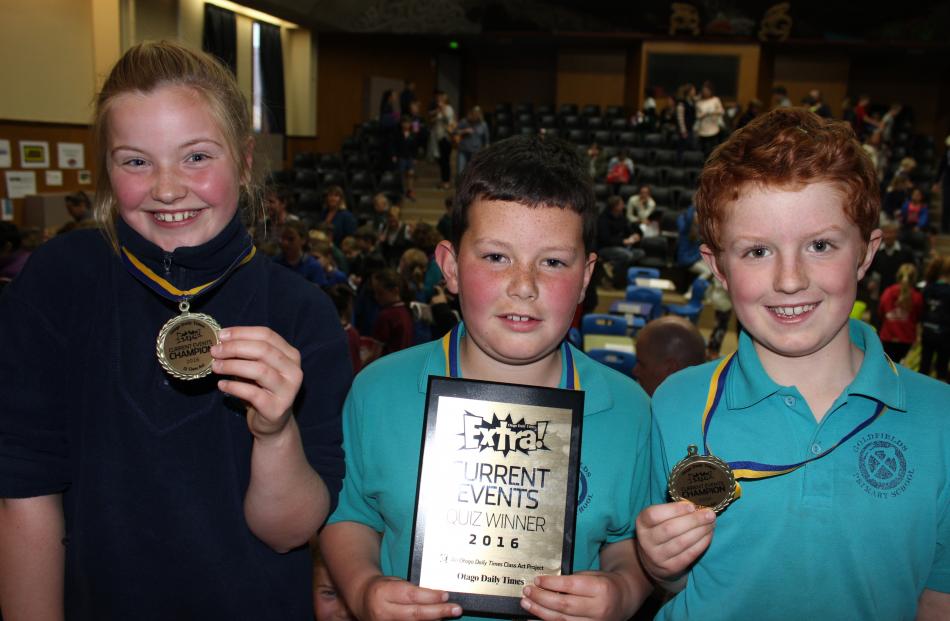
882 470
583 489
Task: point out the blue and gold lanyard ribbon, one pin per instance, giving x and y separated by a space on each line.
161 286
754 469
450 347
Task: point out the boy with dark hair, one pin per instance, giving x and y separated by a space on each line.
520 259
844 513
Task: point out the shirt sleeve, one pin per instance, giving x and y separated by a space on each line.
34 377
327 374
640 479
355 504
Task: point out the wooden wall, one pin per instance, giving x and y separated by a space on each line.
597 77
508 72
52 133
345 63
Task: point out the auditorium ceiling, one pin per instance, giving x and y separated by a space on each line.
814 20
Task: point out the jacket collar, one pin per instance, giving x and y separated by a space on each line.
188 266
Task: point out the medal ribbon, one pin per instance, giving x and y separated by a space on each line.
169 291
754 469
450 346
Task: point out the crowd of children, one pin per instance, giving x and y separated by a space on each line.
126 492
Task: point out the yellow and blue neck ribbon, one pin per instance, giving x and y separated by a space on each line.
450 347
754 469
162 287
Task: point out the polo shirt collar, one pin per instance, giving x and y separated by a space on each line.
877 378
748 383
597 395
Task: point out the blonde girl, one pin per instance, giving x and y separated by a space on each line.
900 308
133 484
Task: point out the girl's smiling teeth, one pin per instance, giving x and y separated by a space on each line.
792 311
174 216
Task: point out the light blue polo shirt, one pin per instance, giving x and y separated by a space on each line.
857 534
382 435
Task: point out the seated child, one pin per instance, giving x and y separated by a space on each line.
342 297
845 508
295 255
393 325
914 214
520 259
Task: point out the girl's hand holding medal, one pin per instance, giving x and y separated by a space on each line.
264 371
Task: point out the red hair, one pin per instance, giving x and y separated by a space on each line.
787 147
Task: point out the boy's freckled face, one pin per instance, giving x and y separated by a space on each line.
521 273
791 260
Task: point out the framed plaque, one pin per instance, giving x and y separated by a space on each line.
497 490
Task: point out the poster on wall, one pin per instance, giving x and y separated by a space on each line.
71 155
6 160
34 154
84 177
20 183
54 177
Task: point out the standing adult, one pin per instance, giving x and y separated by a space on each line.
407 96
709 111
685 118
473 135
442 118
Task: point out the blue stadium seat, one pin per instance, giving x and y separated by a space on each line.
600 323
622 361
694 306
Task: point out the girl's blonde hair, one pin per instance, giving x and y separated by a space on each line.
906 277
148 66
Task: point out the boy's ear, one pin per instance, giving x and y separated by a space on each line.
448 262
710 259
588 273
873 244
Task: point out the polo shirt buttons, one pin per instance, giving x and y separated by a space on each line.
790 401
815 448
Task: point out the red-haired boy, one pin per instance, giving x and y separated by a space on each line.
845 456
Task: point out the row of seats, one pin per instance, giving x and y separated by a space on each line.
623 139
562 110
625 326
567 121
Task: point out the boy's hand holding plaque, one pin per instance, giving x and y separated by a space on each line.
497 490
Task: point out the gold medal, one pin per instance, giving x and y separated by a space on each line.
704 480
184 344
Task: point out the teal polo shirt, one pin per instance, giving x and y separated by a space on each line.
857 534
382 436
